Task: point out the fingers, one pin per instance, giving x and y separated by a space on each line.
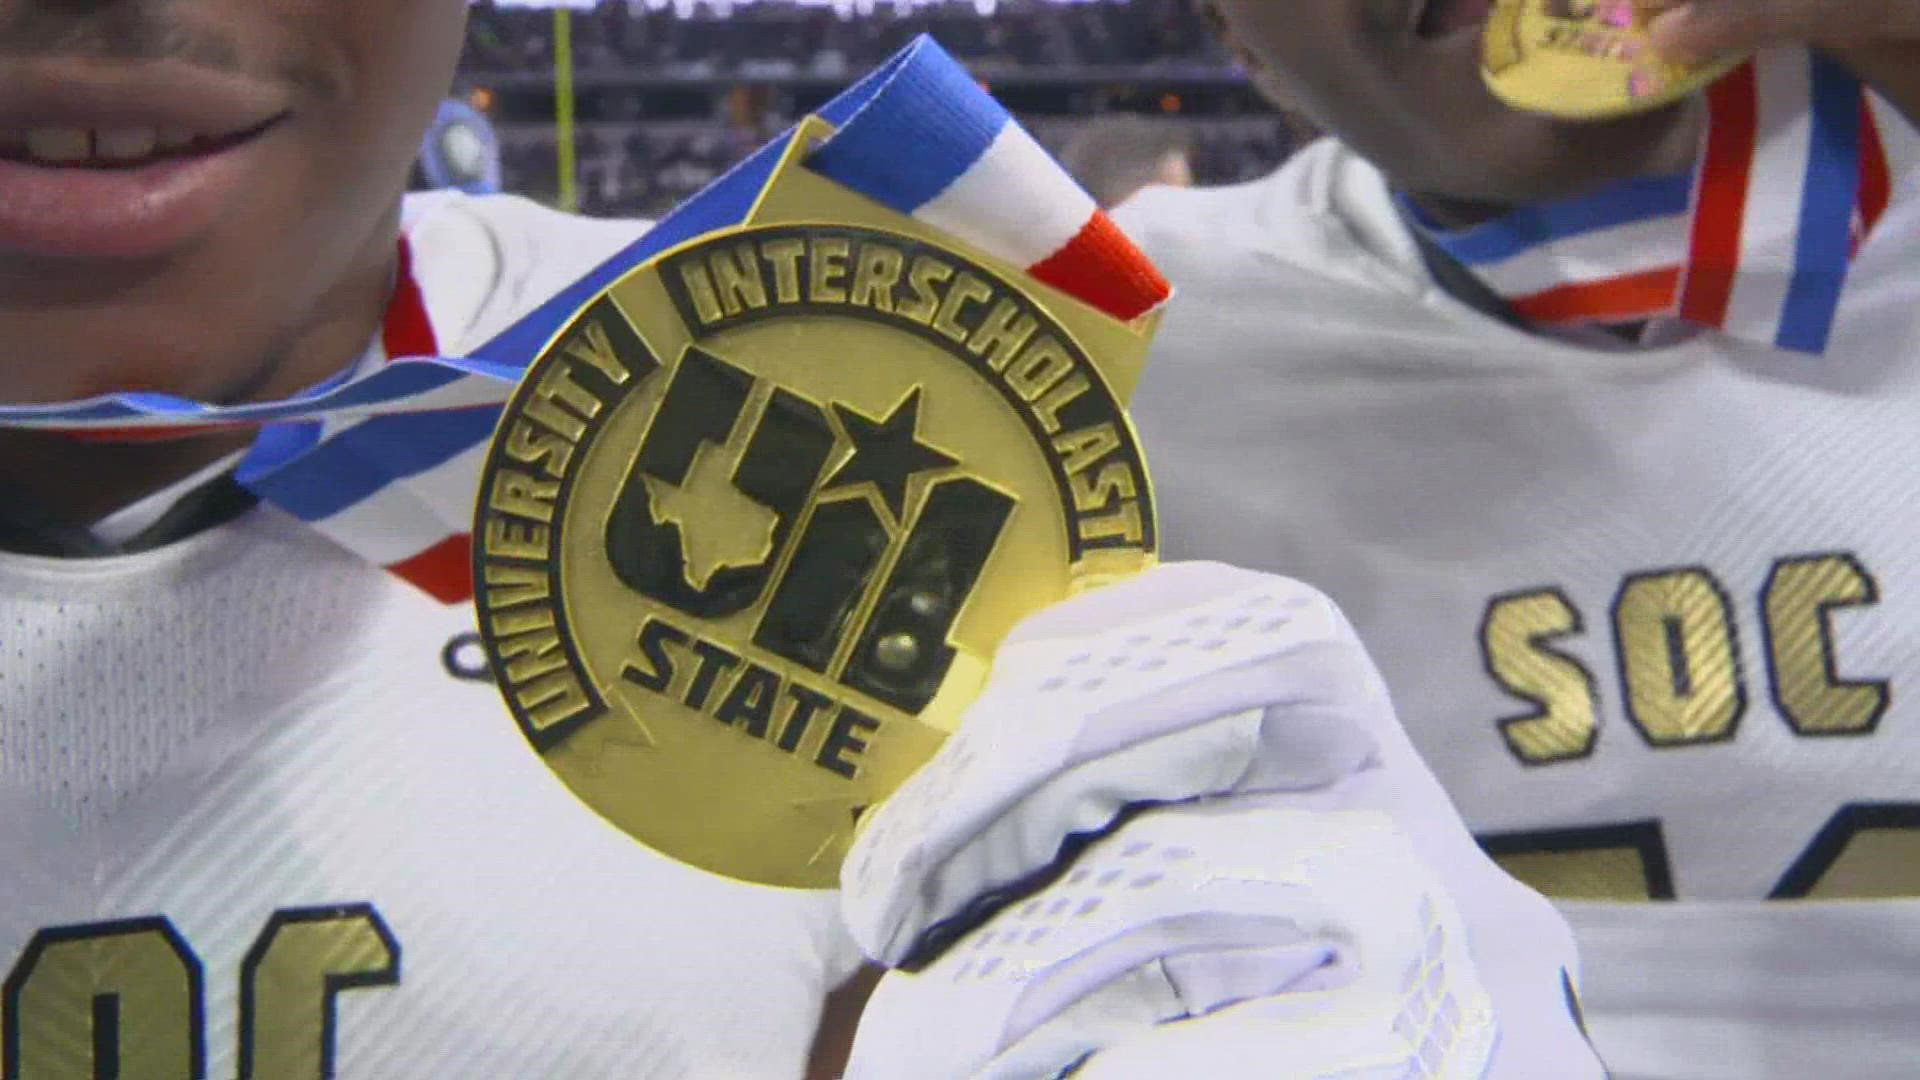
1167 587
1226 682
1699 30
1330 915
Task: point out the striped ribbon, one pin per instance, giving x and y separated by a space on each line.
1797 169
385 461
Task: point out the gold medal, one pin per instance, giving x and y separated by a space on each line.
1584 59
755 521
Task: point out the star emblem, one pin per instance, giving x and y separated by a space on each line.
887 453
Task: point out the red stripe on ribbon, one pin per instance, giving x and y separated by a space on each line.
1876 180
1620 299
407 331
146 434
1102 267
1721 200
443 571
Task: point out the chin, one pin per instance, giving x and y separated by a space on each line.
175 368
1531 159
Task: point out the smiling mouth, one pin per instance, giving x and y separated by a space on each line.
1445 18
117 147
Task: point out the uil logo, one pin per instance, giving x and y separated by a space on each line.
755 522
708 525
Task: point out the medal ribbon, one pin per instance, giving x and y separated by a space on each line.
1798 166
384 460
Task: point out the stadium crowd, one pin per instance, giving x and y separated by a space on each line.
631 162
644 170
773 39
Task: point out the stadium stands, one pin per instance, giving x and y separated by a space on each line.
672 92
772 39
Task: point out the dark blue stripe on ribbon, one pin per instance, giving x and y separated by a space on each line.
913 142
273 448
369 456
1623 203
1824 247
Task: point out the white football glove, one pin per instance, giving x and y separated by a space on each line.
1182 833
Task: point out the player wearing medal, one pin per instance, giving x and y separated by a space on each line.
263 819
266 815
1600 434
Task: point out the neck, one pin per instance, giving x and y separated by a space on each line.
77 483
1665 143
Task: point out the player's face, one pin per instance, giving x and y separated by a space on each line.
1399 81
196 193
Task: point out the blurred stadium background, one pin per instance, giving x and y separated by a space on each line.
627 107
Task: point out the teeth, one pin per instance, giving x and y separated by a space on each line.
77 146
59 145
124 144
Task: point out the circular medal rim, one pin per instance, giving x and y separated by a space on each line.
998 273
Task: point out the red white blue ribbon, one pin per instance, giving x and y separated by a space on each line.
938 148
1798 167
386 461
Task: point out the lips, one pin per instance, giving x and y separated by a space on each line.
1444 18
126 162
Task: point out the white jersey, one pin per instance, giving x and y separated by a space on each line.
266 814
1652 616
